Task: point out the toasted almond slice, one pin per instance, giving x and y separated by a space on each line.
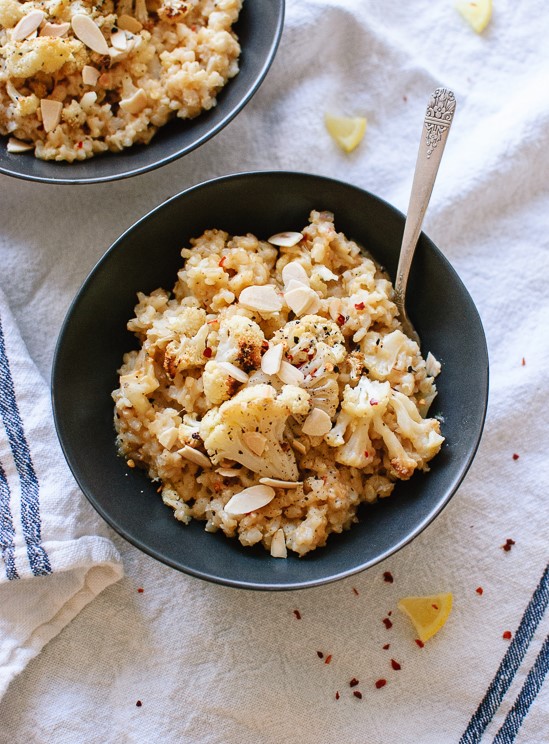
168 437
302 300
228 472
278 545
54 29
88 99
325 274
432 365
276 483
136 103
28 25
89 33
263 298
255 441
317 423
12 91
119 40
193 455
16 146
249 500
234 371
129 23
294 270
90 75
299 446
272 359
285 239
290 375
51 113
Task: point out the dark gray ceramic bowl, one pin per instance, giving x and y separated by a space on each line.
259 29
147 256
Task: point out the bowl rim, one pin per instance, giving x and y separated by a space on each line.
244 584
83 181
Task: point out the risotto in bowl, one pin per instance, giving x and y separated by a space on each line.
250 377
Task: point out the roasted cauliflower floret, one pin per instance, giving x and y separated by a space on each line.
187 347
259 410
424 434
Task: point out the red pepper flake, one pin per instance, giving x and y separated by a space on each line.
320 654
80 145
508 544
359 306
353 682
396 666
138 704
337 695
381 683
207 352
388 577
297 614
420 643
340 320
405 99
479 590
328 659
387 645
374 402
523 362
388 624
140 590
434 606
355 591
222 262
366 454
390 613
515 456
357 694
507 635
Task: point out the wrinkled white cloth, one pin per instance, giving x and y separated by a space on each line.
54 555
212 664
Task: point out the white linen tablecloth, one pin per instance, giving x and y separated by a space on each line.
162 657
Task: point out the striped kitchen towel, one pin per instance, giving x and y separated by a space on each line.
54 553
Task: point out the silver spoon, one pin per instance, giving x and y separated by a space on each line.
436 125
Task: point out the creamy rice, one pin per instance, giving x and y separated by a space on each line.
78 78
282 369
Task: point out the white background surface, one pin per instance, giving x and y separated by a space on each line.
212 664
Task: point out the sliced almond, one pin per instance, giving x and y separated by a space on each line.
294 284
299 446
276 483
136 103
234 371
51 113
256 442
228 472
325 274
249 500
432 365
128 23
16 146
89 33
278 545
290 375
272 359
28 25
302 300
55 29
263 298
294 270
193 455
317 423
168 437
285 239
88 99
119 40
90 75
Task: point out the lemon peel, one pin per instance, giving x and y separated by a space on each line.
347 131
428 614
477 14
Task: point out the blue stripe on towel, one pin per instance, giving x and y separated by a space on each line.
30 504
530 688
7 531
510 663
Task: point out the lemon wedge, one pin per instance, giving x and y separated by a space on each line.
428 614
347 131
477 14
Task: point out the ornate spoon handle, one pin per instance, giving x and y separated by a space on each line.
436 125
